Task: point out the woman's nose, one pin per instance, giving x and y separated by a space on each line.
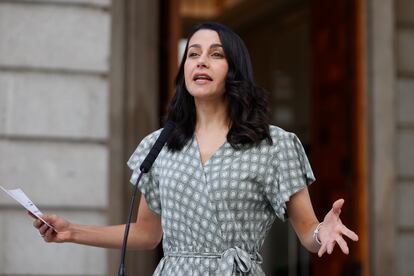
202 61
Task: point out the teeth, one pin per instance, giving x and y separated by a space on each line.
202 78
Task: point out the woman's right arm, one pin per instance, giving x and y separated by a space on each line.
145 233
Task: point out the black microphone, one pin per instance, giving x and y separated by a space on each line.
156 148
145 167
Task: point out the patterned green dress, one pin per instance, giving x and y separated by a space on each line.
215 217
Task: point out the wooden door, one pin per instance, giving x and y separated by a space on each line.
339 126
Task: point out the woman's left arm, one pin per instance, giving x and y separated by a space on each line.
304 221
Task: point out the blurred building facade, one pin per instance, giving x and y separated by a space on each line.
82 81
54 127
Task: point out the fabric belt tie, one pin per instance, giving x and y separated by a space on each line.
234 256
241 258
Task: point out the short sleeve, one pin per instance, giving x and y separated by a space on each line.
148 185
288 172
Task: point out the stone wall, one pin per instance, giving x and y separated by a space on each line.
405 135
54 128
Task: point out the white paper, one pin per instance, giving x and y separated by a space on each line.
24 200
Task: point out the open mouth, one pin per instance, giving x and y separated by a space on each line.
202 77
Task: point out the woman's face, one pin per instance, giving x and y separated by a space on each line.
206 67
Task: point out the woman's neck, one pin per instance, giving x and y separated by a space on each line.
211 115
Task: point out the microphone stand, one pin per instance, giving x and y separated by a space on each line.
122 270
145 167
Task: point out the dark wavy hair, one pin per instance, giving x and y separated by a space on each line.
247 103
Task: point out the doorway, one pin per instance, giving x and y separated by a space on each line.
308 54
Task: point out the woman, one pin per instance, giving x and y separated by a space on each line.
225 175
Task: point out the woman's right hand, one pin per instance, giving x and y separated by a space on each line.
62 226
146 233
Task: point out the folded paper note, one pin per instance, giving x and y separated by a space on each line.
24 200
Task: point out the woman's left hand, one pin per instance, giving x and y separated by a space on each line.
332 231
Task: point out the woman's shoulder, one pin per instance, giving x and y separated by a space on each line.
142 149
283 139
150 138
147 142
277 134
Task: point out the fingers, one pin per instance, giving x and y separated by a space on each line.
322 250
342 244
350 234
49 235
50 219
326 248
31 214
335 231
337 205
37 223
45 230
330 247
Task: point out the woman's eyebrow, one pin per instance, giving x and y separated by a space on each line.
194 46
214 45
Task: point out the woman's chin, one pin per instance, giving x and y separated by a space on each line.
201 93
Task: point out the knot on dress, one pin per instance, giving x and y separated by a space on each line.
239 259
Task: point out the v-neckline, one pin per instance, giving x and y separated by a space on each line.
197 145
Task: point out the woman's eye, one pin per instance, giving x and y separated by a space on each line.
192 54
217 54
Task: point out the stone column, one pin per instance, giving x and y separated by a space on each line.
54 128
404 14
381 85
